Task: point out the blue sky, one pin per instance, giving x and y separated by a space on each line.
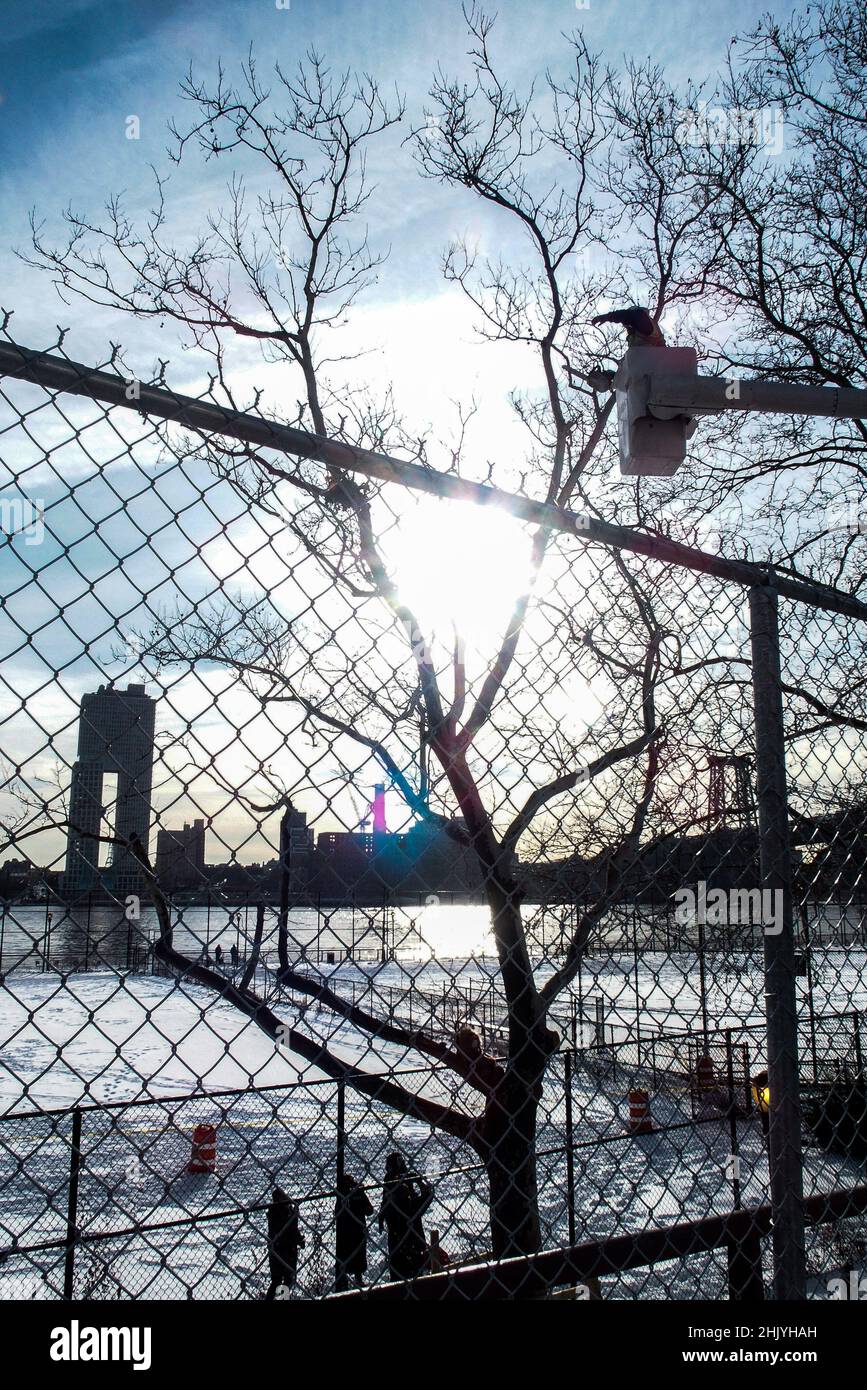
73 71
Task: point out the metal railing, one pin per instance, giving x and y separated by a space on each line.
480 761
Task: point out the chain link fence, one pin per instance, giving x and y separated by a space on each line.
342 952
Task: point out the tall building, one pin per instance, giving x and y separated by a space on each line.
352 847
296 847
180 859
115 740
295 826
424 859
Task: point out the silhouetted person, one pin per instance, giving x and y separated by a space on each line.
218 955
284 1242
405 1199
351 1211
234 954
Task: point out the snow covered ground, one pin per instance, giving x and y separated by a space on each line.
105 1037
102 1039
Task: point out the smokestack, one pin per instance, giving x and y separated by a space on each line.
378 809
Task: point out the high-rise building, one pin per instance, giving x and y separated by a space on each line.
116 741
295 825
296 847
180 859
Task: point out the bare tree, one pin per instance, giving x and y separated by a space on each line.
360 668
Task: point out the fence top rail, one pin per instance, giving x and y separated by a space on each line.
697 1030
302 1083
87 1236
59 373
609 1255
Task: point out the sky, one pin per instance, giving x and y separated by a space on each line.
73 72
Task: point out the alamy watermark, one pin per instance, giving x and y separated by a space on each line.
727 907
77 1343
709 126
23 516
848 514
433 128
853 1289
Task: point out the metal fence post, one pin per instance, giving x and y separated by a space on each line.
735 1150
745 1268
570 1154
784 1137
341 1279
341 1129
72 1206
702 987
808 951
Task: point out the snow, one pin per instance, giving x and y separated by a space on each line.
102 1038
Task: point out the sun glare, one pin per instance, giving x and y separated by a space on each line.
460 565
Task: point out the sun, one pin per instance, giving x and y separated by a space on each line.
460 567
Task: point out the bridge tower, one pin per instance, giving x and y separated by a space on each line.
731 799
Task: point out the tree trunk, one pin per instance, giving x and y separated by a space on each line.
507 1135
509 1126
510 1159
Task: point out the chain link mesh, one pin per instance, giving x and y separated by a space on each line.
301 990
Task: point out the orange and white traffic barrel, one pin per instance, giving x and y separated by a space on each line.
203 1158
640 1121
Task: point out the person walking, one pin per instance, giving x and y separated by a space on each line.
405 1199
285 1239
351 1210
234 954
218 955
